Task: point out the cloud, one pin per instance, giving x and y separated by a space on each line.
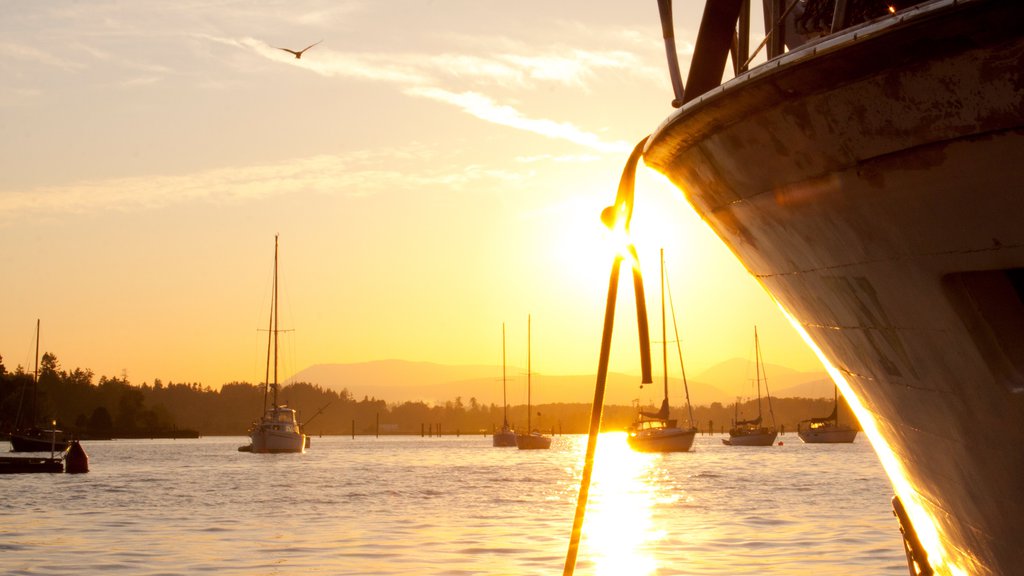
424 77
360 173
33 55
484 108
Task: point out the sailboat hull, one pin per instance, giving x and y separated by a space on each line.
504 439
829 435
661 440
38 441
762 437
533 441
277 442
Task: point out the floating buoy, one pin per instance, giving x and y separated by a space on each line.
780 443
76 461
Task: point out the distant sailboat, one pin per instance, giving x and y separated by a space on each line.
655 431
533 440
751 432
827 430
31 438
278 430
506 437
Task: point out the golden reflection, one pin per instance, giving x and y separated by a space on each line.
619 524
924 523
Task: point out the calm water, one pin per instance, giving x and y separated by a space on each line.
410 505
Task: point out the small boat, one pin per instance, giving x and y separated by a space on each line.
278 430
751 432
828 430
32 438
655 431
506 437
72 460
534 440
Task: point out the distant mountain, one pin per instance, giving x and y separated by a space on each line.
737 378
401 381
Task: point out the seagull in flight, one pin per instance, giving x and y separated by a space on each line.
298 54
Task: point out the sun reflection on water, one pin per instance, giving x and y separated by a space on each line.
619 526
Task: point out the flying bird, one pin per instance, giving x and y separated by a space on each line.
298 54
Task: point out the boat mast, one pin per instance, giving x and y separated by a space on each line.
275 321
504 394
664 339
529 387
757 365
35 382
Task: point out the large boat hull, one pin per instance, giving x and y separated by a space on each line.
504 438
873 184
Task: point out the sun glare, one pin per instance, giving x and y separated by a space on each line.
619 523
924 524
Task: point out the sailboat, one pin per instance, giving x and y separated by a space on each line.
655 431
32 438
828 430
278 430
506 437
533 440
751 432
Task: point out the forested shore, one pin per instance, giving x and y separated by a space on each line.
113 407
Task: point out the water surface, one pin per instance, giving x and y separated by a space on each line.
452 506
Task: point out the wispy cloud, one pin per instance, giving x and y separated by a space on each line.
359 173
429 77
484 108
33 55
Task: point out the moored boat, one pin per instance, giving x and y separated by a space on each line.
534 440
31 438
278 429
870 179
506 436
827 430
656 431
752 432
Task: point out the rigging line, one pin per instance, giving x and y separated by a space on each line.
679 348
769 34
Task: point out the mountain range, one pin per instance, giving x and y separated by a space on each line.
402 381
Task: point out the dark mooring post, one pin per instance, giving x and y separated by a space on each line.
421 429
353 429
378 424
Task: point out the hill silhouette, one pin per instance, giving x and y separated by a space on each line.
401 381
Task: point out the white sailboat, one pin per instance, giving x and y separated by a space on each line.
828 430
506 437
655 431
278 430
532 440
751 432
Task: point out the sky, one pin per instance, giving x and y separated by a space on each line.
434 170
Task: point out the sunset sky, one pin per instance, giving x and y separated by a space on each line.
433 168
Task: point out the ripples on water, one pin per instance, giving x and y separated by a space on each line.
452 506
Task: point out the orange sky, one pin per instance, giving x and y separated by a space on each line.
433 170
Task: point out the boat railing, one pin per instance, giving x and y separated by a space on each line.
725 33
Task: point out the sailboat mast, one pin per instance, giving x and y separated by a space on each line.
35 381
529 386
664 339
275 321
504 394
757 365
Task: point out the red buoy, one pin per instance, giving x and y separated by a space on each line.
76 461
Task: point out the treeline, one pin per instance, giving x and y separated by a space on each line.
115 408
